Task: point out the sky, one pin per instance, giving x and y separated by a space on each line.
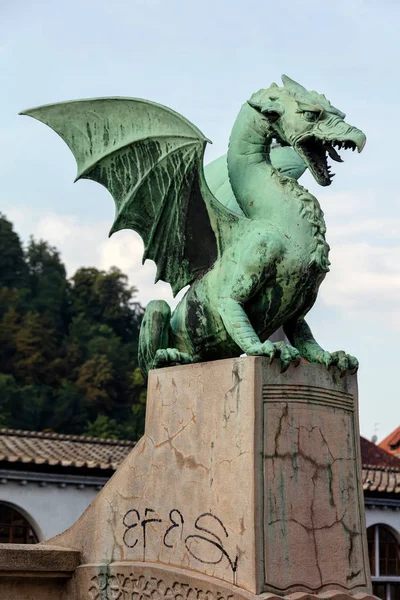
204 59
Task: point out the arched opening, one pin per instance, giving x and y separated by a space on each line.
384 560
14 527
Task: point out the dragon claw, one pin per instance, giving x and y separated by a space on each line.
344 362
287 354
354 370
326 359
262 349
166 357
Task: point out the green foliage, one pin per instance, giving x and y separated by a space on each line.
35 348
104 427
13 269
96 380
106 299
68 348
8 397
32 408
47 283
70 413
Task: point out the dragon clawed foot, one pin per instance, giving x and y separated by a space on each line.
166 357
344 362
287 354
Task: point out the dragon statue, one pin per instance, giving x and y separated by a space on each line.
248 239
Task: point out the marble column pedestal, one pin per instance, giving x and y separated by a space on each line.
246 483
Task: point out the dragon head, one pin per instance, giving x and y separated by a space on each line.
309 123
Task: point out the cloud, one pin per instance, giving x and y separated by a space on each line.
365 255
125 250
88 245
364 278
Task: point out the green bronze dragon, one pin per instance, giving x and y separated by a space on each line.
249 240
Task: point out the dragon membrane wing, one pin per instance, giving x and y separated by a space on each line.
150 158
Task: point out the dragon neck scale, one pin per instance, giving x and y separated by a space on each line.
263 193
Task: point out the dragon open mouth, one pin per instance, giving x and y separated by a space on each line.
315 153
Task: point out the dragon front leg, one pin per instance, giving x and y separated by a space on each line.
300 335
241 331
242 274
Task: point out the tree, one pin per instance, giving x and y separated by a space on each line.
35 349
12 298
68 351
9 394
69 411
96 380
9 327
32 408
106 298
13 270
95 338
48 283
83 298
104 427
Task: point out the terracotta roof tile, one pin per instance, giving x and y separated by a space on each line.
374 455
64 450
391 443
382 481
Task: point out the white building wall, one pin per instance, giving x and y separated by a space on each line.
390 517
50 509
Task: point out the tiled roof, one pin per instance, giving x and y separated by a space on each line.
39 448
391 443
374 456
381 481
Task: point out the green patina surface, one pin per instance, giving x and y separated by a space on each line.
245 235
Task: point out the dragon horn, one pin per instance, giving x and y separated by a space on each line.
292 85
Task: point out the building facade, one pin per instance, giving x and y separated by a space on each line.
381 485
47 480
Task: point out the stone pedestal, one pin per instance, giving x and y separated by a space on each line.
246 482
36 572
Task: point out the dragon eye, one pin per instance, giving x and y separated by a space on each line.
311 115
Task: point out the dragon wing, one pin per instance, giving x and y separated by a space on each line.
150 159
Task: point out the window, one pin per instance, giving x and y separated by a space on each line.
384 560
14 528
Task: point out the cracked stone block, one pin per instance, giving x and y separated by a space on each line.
246 482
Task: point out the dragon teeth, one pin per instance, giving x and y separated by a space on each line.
333 154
